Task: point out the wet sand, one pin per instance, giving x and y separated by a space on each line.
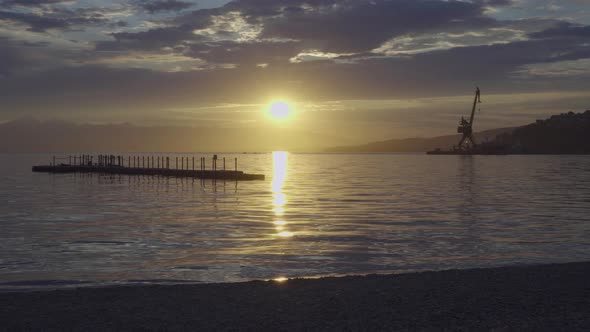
546 297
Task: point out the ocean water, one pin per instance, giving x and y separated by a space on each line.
314 215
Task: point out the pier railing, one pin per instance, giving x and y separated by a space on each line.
148 165
157 162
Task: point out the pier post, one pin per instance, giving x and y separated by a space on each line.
236 164
176 163
181 162
224 164
193 163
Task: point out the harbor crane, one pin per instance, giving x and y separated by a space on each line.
466 127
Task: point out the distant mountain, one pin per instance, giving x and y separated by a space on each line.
418 144
31 135
567 133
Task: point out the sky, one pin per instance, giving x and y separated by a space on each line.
363 70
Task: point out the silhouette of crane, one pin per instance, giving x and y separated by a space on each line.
466 127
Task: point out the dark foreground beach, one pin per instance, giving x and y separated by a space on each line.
547 297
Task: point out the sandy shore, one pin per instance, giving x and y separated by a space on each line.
547 297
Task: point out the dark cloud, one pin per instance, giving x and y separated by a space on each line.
244 53
164 5
564 30
31 3
57 19
356 27
153 39
324 25
35 23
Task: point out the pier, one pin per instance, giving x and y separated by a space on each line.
148 165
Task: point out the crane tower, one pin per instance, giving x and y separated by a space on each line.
466 127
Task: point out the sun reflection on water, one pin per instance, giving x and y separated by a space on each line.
279 199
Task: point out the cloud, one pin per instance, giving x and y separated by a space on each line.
32 3
250 50
152 39
564 30
244 53
35 23
353 26
56 18
164 5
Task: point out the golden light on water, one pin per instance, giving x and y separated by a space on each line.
280 110
280 279
279 198
279 171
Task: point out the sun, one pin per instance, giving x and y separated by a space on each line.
280 110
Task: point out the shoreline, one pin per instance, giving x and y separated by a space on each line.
531 297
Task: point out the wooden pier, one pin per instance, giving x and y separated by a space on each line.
147 165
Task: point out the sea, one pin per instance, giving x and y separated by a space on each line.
315 215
